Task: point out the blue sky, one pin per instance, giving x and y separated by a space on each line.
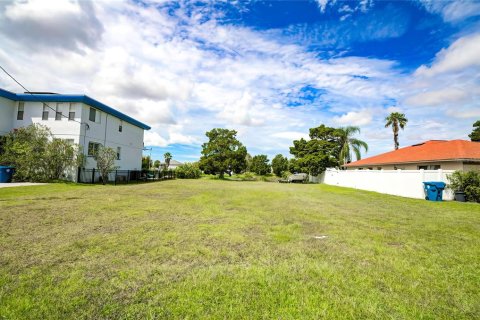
268 69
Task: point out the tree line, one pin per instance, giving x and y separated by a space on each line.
326 147
38 156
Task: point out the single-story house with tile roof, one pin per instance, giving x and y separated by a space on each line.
173 164
430 155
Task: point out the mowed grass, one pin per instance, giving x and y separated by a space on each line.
195 249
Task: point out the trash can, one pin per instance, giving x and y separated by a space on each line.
6 174
434 190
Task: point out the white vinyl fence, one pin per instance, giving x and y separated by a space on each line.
405 183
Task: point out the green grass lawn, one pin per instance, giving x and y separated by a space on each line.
243 250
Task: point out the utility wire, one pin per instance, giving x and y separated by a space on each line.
44 103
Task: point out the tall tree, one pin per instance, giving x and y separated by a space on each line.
168 157
260 164
475 135
350 145
223 153
318 153
279 165
397 121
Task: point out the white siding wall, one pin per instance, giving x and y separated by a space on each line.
63 128
405 183
7 114
445 165
105 131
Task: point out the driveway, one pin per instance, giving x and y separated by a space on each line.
19 184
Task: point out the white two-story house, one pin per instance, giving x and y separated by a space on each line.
79 119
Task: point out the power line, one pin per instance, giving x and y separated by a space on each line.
8 74
44 103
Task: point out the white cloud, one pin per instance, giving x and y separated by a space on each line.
154 139
184 75
438 97
355 118
291 135
465 112
450 84
322 4
58 24
458 10
453 11
393 109
243 111
463 53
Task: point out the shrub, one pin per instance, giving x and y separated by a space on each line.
188 171
269 178
36 155
472 193
286 174
248 176
468 182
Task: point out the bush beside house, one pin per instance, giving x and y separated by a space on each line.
37 155
467 182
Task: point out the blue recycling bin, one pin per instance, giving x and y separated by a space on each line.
6 174
434 190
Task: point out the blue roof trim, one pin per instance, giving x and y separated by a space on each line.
72 98
7 94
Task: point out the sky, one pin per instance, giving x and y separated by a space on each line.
268 69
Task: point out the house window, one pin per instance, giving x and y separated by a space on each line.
429 167
71 112
45 112
119 151
120 127
21 107
93 114
58 112
93 148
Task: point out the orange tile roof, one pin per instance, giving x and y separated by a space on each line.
432 150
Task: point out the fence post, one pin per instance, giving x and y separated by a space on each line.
128 176
78 174
93 175
116 177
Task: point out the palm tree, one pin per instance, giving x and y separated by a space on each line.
396 120
168 157
350 144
